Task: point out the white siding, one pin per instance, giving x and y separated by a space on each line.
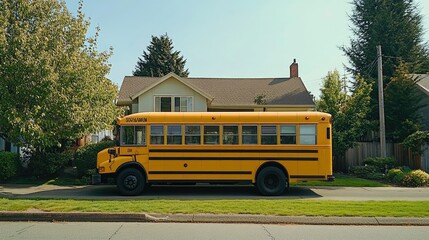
171 87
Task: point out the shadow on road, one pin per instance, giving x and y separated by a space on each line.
197 192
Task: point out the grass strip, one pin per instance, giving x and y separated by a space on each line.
262 207
343 181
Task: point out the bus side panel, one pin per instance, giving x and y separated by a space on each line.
144 161
326 162
308 168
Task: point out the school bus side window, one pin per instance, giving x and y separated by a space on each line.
230 134
307 134
269 135
192 134
133 135
157 134
250 134
174 134
287 134
211 134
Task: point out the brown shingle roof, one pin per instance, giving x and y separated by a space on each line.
230 91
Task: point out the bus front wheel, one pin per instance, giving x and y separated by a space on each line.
130 182
271 181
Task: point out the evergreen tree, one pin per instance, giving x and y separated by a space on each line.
160 59
403 102
349 113
396 25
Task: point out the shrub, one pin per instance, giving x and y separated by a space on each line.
396 175
416 178
86 156
9 164
368 172
380 163
44 165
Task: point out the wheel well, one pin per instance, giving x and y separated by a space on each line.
273 164
134 165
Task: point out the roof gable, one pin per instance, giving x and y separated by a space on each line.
176 77
226 91
423 82
134 86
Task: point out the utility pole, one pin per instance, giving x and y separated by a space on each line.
381 103
344 82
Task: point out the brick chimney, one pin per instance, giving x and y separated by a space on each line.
294 69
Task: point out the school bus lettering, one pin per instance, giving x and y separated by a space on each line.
136 119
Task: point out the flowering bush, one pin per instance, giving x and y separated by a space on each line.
416 178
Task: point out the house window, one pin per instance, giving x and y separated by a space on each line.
173 104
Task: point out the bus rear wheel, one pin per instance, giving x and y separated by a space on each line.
130 182
271 181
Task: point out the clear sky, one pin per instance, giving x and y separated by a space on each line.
230 38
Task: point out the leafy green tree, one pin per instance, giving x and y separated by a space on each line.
53 85
403 102
349 113
160 59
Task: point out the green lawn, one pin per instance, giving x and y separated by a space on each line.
344 181
263 207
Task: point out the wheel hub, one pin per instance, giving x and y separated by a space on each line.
272 181
130 182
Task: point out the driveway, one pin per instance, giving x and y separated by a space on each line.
108 192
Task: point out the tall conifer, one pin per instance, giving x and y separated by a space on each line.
160 59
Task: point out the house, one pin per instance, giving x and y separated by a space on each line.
423 85
172 93
8 146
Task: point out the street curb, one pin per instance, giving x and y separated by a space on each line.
208 218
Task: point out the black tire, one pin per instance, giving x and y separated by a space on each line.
271 181
130 182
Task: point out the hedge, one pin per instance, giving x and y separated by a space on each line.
9 164
86 156
44 165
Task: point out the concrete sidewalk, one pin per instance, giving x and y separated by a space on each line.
209 218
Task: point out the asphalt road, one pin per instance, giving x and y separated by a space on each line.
216 192
189 231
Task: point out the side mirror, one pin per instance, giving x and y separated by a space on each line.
112 151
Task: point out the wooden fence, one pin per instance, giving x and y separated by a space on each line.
403 157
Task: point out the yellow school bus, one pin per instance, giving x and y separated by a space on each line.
268 149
